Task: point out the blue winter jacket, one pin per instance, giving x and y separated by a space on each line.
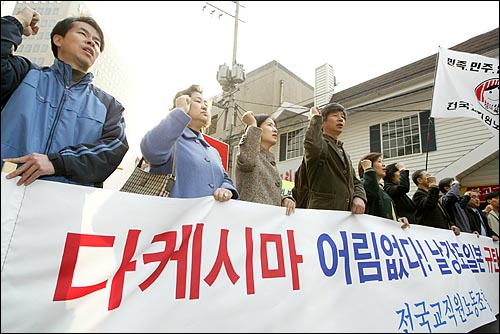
78 126
199 169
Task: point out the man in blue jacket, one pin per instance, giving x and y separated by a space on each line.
56 125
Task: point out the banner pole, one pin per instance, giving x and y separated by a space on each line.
430 116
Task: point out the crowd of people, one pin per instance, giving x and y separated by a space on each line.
57 125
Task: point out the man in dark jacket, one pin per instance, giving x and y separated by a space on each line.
477 220
56 125
397 185
333 182
429 211
451 202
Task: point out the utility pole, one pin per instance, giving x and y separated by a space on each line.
235 39
232 104
230 77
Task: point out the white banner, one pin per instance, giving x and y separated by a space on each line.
80 259
466 85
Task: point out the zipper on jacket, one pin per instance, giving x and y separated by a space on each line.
58 114
56 120
59 109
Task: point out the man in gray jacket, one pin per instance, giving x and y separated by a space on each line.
333 182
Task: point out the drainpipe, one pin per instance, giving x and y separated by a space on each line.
282 83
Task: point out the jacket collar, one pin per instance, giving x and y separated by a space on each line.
335 141
64 71
190 135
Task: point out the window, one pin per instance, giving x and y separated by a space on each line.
409 135
401 137
292 144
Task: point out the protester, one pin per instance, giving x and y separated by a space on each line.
56 125
257 176
371 170
397 186
492 214
199 168
450 201
478 221
426 198
334 185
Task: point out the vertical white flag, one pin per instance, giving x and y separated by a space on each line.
466 85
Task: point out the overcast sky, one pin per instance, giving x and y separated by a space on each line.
171 45
361 40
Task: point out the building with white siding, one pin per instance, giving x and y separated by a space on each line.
379 109
324 84
390 114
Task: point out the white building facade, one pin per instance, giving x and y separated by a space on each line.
324 84
391 114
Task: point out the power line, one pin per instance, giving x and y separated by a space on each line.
374 110
296 103
300 122
358 108
220 10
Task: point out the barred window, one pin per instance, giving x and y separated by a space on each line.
409 135
292 144
401 137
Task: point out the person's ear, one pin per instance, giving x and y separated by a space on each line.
57 39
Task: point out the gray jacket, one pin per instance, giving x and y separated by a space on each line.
257 177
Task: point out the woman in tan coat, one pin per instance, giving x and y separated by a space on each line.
257 176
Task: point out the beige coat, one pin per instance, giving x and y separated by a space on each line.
257 177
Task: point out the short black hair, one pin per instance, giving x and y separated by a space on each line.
63 26
390 170
445 183
260 118
332 107
416 174
491 195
